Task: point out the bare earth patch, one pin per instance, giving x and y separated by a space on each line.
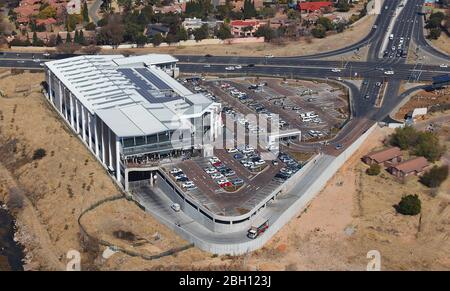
351 216
292 48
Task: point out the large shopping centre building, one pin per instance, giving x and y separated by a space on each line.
130 110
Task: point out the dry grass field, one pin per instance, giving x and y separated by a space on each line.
351 216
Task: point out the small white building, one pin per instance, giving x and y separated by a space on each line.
73 7
129 111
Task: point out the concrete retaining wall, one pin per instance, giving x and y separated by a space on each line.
287 215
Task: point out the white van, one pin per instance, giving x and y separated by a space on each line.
391 37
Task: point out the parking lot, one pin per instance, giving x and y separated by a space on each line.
237 178
226 185
318 109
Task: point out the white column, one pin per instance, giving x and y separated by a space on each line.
83 122
71 110
77 114
118 160
60 98
50 85
89 124
103 144
96 136
212 126
110 149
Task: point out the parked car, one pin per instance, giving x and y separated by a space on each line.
175 171
187 184
217 176
210 170
237 181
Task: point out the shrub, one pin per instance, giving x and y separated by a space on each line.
39 154
319 31
409 205
373 170
424 144
434 177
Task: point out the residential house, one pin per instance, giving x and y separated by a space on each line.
314 6
387 157
155 28
194 23
238 5
415 166
244 28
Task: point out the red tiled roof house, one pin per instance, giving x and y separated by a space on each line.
314 6
244 28
415 166
387 157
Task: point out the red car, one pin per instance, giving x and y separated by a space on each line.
227 184
217 164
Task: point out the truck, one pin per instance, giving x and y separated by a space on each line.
258 226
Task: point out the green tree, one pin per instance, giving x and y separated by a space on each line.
249 9
409 205
68 38
373 170
181 34
435 33
404 137
201 33
81 39
157 39
342 6
224 32
340 27
319 31
325 22
76 38
141 40
265 31
58 40
434 177
85 12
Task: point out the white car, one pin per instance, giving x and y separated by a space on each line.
207 66
232 150
210 170
175 171
238 67
443 65
36 60
269 56
217 176
389 72
214 160
187 184
335 70
260 162
176 207
223 181
229 68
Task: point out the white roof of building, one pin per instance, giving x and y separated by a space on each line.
130 94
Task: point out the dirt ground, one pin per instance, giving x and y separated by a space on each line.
442 43
291 48
351 216
423 99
